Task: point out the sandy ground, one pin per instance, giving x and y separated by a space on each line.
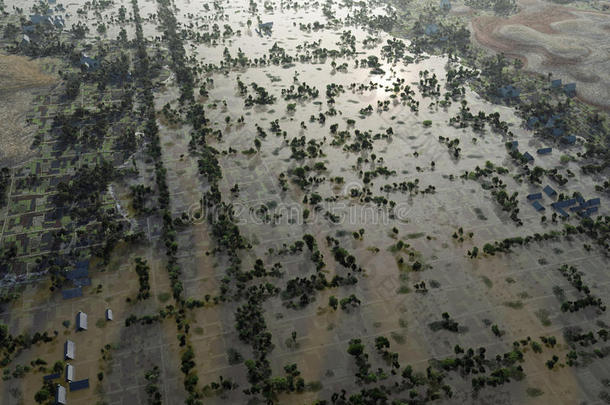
20 79
571 44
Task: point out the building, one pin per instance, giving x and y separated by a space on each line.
570 89
69 350
25 40
79 385
544 151
548 190
89 63
513 145
535 196
109 314
445 5
531 122
82 282
556 84
38 19
562 212
81 321
431 29
591 203
60 394
564 203
508 92
59 22
528 157
72 293
69 373
50 377
591 210
538 206
80 271
569 139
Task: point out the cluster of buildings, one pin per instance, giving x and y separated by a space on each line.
89 63
528 156
553 125
37 20
569 89
69 354
264 28
508 92
52 21
578 204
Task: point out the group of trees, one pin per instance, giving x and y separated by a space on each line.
184 74
574 276
445 323
598 230
12 345
142 269
152 389
5 182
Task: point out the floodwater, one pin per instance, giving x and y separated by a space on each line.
473 291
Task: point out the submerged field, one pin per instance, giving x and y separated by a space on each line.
310 213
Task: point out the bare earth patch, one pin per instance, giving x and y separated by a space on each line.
20 79
572 44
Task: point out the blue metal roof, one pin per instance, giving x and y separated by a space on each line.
528 157
77 273
89 63
591 202
538 206
592 210
72 293
548 190
562 212
39 19
431 29
564 203
588 212
531 122
509 91
51 377
79 385
544 151
83 264
556 83
82 282
570 139
534 196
